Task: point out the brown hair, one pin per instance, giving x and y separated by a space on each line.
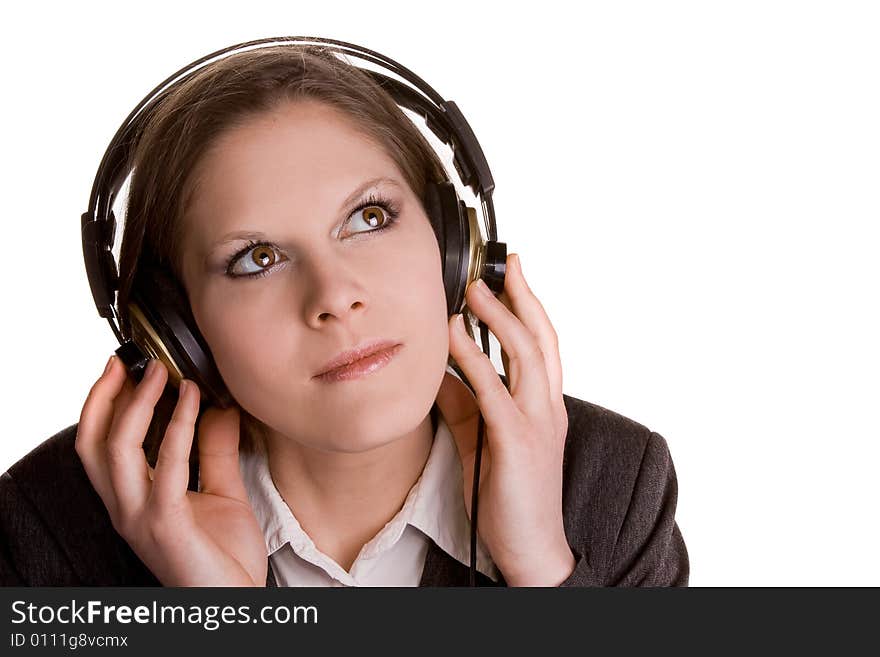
220 96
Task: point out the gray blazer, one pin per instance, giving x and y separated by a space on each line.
619 495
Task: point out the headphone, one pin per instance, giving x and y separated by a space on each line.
162 324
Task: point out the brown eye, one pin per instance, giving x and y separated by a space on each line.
263 256
254 260
374 215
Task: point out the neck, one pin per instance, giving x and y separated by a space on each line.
342 500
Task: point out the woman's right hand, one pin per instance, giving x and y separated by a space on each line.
209 538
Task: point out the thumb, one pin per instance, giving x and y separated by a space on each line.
219 471
461 413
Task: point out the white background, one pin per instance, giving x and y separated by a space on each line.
692 187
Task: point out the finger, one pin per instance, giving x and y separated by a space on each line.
126 461
531 312
496 405
94 424
219 470
505 361
528 380
171 475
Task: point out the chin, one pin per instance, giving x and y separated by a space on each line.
382 420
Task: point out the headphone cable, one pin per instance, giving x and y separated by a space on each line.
484 338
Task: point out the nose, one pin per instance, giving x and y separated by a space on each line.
333 291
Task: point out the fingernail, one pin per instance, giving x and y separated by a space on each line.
109 364
152 366
458 323
518 263
183 386
483 288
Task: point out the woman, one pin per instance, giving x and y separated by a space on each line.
285 193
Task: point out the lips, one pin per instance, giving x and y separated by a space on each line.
347 359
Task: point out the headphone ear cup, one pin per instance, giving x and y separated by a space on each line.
163 327
435 216
449 218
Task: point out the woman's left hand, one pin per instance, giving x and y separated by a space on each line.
520 488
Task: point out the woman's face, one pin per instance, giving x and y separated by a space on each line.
332 279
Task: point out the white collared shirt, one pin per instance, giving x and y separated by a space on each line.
434 510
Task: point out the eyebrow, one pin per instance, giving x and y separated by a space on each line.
252 235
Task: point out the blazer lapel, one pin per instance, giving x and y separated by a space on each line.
443 570
270 578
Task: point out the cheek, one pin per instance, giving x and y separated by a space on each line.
420 274
238 337
421 304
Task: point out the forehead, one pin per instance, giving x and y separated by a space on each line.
302 152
